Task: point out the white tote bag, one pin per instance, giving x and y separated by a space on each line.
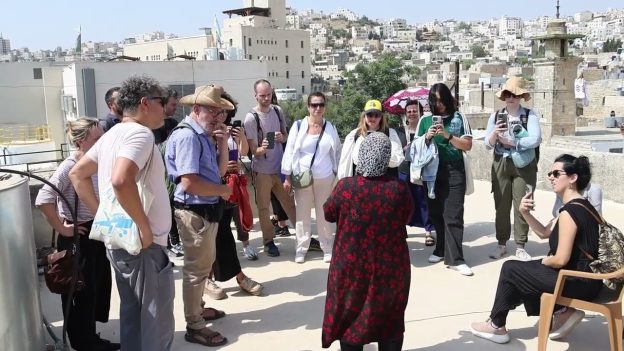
469 177
112 225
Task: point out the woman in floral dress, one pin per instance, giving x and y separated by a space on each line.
369 275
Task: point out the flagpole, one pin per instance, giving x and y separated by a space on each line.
79 44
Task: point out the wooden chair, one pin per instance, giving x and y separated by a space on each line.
608 302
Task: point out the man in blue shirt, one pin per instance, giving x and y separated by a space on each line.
194 164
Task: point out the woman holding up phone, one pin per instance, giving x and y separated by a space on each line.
451 133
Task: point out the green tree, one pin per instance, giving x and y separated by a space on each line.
611 45
464 26
467 63
478 51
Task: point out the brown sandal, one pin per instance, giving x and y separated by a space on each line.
429 240
205 336
210 314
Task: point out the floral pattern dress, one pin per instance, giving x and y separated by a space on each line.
369 276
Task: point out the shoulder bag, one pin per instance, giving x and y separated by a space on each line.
304 179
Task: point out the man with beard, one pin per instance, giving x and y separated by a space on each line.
114 115
196 168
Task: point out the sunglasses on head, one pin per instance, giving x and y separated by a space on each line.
317 105
161 99
556 173
373 115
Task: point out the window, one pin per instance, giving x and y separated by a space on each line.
302 59
286 58
249 42
302 44
37 74
302 74
303 89
287 74
287 43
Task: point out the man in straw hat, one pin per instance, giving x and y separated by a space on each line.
196 167
120 157
514 134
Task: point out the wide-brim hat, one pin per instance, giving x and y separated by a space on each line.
207 95
516 86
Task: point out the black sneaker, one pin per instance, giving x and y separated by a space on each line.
271 249
177 250
315 245
105 345
282 231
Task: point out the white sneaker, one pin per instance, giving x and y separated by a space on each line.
563 323
522 255
499 252
486 331
299 258
434 259
327 258
250 253
463 269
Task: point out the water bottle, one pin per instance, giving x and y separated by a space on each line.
456 125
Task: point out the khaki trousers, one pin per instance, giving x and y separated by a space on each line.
265 184
198 238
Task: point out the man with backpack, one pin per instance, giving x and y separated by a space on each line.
265 127
514 134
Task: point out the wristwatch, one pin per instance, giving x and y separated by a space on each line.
449 138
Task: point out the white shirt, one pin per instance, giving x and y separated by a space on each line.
135 142
323 166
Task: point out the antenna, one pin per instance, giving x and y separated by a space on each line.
557 9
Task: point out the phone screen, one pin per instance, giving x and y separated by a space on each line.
437 119
237 124
529 190
502 117
271 138
233 155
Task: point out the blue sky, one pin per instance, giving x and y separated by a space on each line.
41 24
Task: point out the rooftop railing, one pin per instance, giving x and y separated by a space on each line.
23 134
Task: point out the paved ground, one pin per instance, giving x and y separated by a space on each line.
442 303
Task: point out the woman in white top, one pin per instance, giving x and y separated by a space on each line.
92 303
313 143
371 120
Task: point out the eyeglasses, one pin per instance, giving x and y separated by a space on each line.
317 105
373 115
215 112
507 94
556 173
161 99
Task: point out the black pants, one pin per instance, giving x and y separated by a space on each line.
386 345
174 236
92 303
278 210
446 211
241 234
524 282
226 265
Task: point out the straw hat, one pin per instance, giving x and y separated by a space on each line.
207 95
516 86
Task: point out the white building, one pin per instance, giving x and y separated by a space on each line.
5 46
510 26
584 16
259 30
349 15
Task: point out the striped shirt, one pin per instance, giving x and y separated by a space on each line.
60 179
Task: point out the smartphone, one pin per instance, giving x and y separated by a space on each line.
502 118
529 189
233 155
237 124
270 136
436 119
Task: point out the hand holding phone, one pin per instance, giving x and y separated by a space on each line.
502 118
529 190
270 136
437 120
237 123
233 155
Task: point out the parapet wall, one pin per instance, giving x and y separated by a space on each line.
607 168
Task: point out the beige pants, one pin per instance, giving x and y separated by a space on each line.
265 184
198 238
314 196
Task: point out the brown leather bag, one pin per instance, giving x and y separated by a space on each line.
59 270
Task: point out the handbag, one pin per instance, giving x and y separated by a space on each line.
112 225
304 179
468 171
63 267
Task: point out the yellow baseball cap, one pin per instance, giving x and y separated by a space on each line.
372 106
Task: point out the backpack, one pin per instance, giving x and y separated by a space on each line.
259 128
524 119
610 250
162 147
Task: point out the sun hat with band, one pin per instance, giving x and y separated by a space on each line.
516 86
207 95
372 106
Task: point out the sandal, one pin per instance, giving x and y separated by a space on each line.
429 239
205 336
210 314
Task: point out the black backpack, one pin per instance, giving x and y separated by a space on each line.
524 119
259 128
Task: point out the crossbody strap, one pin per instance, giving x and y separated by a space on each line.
598 219
317 144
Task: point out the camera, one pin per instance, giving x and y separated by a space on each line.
516 129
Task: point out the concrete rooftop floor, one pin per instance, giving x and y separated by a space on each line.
442 303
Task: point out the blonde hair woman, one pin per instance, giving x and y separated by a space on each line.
92 303
371 120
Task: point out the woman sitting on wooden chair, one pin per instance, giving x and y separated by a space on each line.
572 238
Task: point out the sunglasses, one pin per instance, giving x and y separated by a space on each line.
507 94
373 115
317 105
556 173
161 99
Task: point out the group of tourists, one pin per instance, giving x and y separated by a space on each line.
363 192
